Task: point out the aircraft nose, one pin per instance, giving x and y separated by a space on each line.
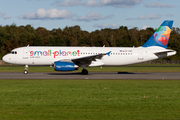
5 58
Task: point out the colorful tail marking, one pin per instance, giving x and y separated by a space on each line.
161 36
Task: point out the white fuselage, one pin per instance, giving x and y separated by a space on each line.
119 55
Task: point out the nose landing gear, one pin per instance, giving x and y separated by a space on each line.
26 69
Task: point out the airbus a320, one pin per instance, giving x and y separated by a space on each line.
71 58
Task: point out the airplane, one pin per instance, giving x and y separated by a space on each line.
71 58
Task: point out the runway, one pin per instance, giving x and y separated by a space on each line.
92 76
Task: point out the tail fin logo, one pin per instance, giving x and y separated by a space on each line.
162 34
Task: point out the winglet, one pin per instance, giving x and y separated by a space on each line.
108 53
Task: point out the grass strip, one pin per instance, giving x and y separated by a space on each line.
89 99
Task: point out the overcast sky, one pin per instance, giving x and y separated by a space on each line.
90 15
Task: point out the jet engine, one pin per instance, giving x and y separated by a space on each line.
65 66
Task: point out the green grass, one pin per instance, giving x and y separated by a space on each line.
89 99
133 68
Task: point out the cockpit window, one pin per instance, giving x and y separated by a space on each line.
13 52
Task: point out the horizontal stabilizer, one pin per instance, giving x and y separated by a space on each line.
165 53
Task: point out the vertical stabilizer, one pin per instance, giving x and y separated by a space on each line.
161 35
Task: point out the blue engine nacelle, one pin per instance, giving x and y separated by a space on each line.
64 66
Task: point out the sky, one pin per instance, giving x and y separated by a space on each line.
90 15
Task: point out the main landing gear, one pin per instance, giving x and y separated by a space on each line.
84 72
26 69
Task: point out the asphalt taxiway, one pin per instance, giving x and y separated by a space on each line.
92 76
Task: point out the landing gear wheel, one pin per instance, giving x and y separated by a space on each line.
84 72
25 72
26 69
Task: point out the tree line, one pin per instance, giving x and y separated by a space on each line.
12 36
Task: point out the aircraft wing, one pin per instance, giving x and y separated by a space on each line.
88 59
91 57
